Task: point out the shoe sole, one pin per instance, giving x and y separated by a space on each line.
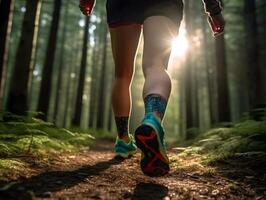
153 162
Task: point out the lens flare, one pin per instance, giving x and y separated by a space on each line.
180 44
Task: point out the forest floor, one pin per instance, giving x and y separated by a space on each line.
94 174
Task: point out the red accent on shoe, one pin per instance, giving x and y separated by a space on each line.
152 136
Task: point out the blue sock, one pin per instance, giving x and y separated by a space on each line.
155 104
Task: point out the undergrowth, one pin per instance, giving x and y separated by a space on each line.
29 137
243 139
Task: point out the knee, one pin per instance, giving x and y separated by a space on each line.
123 72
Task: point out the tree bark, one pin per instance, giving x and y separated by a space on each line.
6 16
61 65
47 72
67 96
93 88
190 81
78 107
252 47
101 98
210 77
18 93
224 114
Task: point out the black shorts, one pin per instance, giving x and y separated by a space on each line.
121 12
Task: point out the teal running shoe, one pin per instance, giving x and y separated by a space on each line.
149 138
123 149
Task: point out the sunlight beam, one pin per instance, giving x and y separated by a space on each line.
180 44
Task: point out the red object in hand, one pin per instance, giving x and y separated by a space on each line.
86 6
217 24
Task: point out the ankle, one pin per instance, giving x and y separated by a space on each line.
125 138
158 116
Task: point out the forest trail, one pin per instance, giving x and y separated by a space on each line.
94 174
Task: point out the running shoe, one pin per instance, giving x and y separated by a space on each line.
123 149
150 140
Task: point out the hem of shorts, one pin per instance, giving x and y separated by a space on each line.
175 20
118 24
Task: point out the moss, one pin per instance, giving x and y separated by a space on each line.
22 135
222 143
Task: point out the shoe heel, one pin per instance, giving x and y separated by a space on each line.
153 162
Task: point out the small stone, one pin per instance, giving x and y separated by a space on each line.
215 192
166 198
203 191
72 157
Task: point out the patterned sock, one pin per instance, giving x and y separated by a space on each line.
122 126
155 104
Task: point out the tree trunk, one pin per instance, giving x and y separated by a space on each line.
78 107
67 96
222 80
101 98
94 73
47 72
190 81
61 65
6 16
210 77
18 93
252 47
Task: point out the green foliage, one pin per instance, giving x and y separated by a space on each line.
28 135
96 133
241 139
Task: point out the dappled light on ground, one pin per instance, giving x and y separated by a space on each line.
95 174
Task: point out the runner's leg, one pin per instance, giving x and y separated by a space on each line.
125 40
159 32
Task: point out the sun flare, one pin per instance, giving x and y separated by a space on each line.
180 44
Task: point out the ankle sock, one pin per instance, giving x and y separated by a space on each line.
155 104
122 126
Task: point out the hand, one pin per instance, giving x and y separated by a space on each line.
86 6
217 24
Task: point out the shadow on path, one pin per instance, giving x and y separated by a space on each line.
55 181
144 191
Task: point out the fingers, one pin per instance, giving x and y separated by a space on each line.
84 10
86 6
217 24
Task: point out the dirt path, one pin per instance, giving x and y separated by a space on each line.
95 174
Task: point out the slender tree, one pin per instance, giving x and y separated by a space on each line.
101 98
67 96
224 114
93 86
18 93
190 81
6 15
61 64
222 80
210 76
78 107
252 48
45 90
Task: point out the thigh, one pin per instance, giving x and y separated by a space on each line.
124 12
125 41
159 33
